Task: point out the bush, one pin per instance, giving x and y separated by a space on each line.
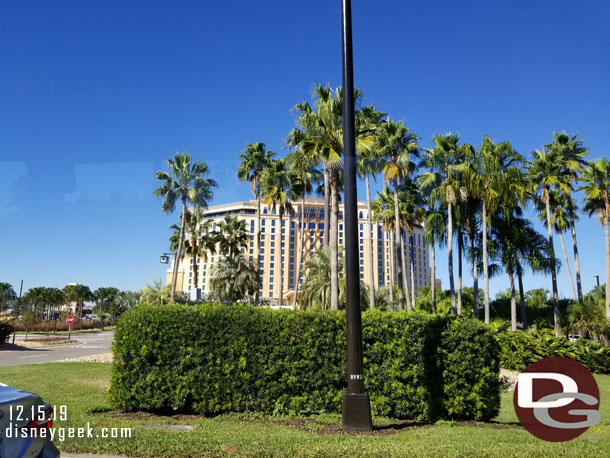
49 326
212 359
6 329
520 349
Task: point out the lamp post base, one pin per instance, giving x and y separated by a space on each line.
357 412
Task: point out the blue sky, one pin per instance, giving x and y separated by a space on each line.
96 95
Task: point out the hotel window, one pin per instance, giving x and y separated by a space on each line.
273 222
273 230
320 225
262 250
271 265
271 273
272 250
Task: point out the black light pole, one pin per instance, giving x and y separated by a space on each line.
356 404
597 276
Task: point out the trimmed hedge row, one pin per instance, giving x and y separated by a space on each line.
520 349
213 358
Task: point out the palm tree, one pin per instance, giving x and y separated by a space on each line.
573 154
369 163
400 147
493 174
276 187
304 176
449 159
383 212
435 218
234 278
233 236
185 181
320 135
411 213
254 160
547 172
316 289
199 240
560 220
596 179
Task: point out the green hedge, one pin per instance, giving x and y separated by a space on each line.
6 329
213 359
522 348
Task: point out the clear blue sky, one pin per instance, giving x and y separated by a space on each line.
96 95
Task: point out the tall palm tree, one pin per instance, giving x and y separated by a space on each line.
320 134
383 213
399 146
304 175
435 218
596 179
560 221
368 164
412 214
450 159
254 160
547 172
573 154
276 187
511 232
184 181
493 174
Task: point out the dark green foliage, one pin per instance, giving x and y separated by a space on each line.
470 360
6 329
212 359
520 349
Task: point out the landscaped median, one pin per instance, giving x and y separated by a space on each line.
215 359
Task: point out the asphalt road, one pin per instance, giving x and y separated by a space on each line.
86 345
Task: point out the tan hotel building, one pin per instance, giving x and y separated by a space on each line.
283 243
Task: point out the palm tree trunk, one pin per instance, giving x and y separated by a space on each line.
179 251
576 263
258 243
392 255
565 258
400 252
412 268
433 275
450 256
327 197
334 242
556 317
195 268
513 303
300 252
460 255
607 231
281 263
522 295
475 277
485 266
370 243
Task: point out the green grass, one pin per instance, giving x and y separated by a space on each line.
83 388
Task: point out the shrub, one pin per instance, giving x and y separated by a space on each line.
60 325
212 359
520 349
6 329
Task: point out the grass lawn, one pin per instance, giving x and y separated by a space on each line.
83 388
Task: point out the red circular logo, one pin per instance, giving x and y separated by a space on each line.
556 399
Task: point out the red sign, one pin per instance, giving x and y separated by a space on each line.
70 319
